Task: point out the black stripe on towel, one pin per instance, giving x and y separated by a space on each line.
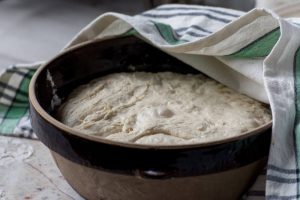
281 170
21 73
278 197
189 8
281 180
13 99
191 33
16 90
186 14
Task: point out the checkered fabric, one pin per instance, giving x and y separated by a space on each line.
14 106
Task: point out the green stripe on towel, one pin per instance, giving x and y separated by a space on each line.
130 32
167 33
260 47
18 108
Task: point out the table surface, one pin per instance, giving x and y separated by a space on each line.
28 171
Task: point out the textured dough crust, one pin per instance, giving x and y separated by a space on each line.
161 108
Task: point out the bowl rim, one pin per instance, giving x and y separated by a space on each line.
66 129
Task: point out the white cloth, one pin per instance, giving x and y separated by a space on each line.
242 51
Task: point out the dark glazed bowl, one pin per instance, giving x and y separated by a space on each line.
102 169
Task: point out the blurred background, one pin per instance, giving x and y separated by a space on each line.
35 30
235 4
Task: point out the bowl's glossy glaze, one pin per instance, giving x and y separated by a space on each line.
143 169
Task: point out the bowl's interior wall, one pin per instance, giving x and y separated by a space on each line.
91 61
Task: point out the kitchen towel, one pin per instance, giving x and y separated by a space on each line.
255 53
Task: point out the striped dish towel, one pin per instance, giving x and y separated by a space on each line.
255 53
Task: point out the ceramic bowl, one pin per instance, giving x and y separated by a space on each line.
100 169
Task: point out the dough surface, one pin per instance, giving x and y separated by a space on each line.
163 108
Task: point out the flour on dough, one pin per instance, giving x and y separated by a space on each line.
163 108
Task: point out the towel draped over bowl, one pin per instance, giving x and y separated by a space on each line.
255 53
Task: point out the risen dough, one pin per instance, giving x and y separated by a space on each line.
161 108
